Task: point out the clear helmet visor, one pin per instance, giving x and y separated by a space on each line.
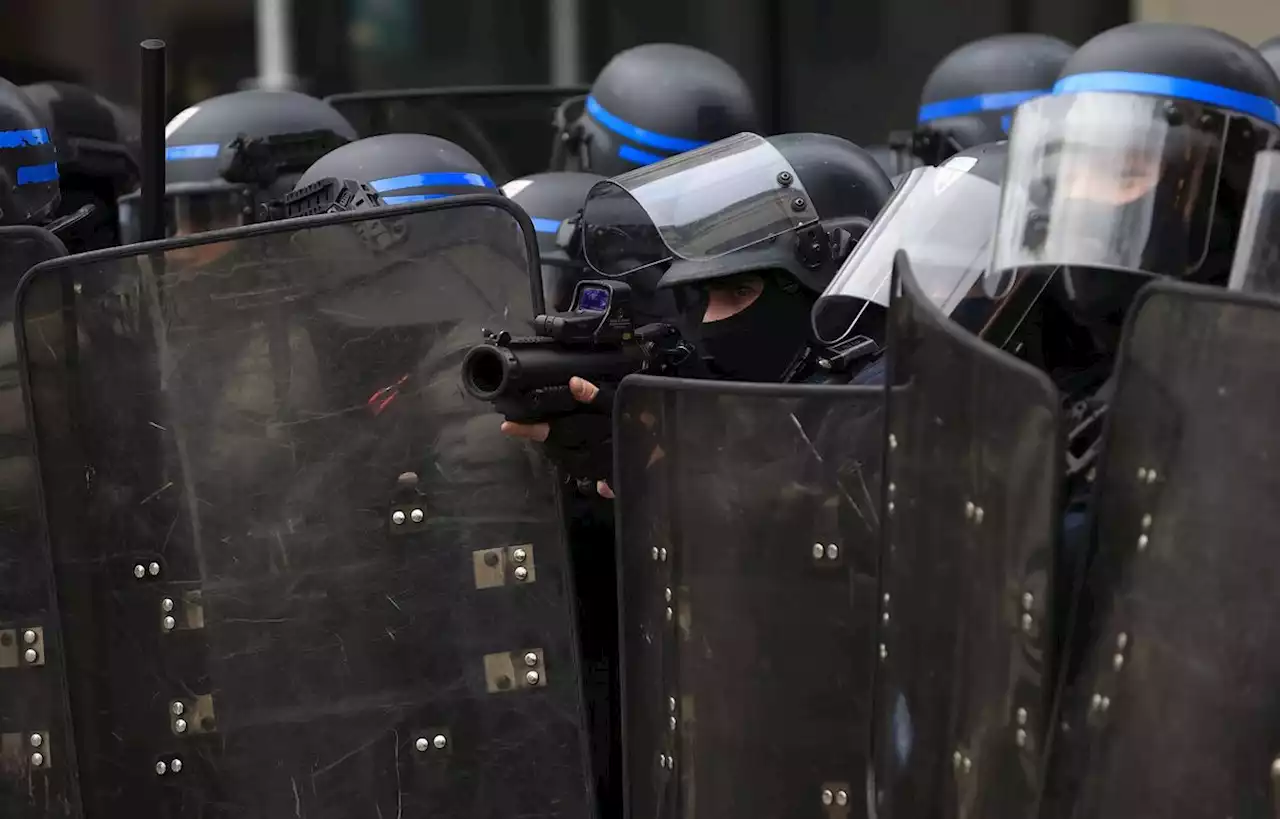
188 211
1113 181
697 206
1256 267
945 218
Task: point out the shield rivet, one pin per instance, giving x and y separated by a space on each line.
662 760
662 553
670 614
1022 716
1027 623
439 741
177 708
421 744
978 514
161 768
818 551
153 569
180 726
969 509
139 571
1117 662
667 594
893 441
521 573
531 659
785 179
671 763
1143 542
885 618
842 797
892 506
799 204
828 797
29 637
397 517
1106 703
968 764
833 551
1275 768
1122 640
1142 473
168 624
1096 702
1146 522
884 651
519 555
1027 601
1151 476
672 723
30 655
533 678
36 740
893 487
1020 738
957 759
655 552
671 704
175 765
166 605
886 599
416 516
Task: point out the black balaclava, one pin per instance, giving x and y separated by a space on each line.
761 341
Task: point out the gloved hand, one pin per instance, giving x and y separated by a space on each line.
581 443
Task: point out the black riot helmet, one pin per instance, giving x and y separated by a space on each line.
29 191
1138 163
970 96
227 155
777 216
98 147
651 102
1270 51
404 168
553 201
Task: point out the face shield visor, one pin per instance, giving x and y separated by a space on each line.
697 206
945 218
189 209
1256 267
1113 180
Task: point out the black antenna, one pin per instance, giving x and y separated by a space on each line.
154 92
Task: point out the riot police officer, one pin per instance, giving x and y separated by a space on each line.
969 97
651 102
97 145
228 155
552 199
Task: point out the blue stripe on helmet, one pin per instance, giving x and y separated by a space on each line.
413 197
638 156
976 105
432 180
1177 87
36 174
546 225
24 138
638 135
179 153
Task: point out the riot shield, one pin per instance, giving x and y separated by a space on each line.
300 572
508 128
971 509
37 768
1173 709
748 539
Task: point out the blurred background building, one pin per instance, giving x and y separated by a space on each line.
851 67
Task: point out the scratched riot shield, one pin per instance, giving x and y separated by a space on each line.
971 505
1172 709
508 128
748 539
301 573
37 767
